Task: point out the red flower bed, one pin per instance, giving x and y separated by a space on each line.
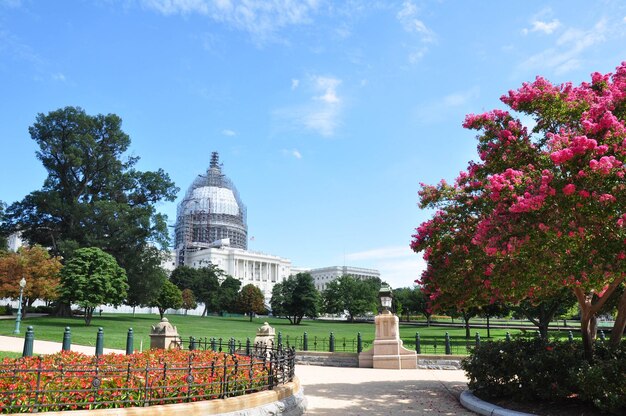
70 380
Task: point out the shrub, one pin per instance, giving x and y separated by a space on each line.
536 369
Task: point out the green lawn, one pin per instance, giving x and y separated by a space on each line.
116 327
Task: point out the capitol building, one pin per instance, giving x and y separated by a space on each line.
211 228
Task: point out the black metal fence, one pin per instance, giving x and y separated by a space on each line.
105 384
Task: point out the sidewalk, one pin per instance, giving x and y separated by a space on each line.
344 391
369 392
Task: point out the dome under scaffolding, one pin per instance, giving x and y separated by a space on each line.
210 214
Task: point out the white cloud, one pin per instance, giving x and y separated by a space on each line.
398 265
320 113
408 17
545 27
292 153
447 106
260 18
58 77
295 83
566 54
228 132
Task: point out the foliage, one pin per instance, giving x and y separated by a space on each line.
170 297
227 294
123 377
3 237
542 312
542 210
356 296
146 277
537 369
251 300
411 301
93 196
295 298
92 278
38 267
189 300
203 282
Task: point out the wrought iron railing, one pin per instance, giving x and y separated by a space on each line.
33 384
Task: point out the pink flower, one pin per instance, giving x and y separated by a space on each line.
569 189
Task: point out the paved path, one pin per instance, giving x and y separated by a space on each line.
368 392
345 391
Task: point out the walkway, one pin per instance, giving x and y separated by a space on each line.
345 391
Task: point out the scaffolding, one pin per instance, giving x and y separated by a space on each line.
210 211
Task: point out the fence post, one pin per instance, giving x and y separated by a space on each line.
570 336
448 348
213 344
231 345
29 339
507 337
305 342
477 340
418 343
359 343
130 339
248 346
67 339
100 341
280 340
331 343
192 343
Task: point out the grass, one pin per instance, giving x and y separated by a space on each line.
116 326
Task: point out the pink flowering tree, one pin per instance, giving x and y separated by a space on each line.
543 209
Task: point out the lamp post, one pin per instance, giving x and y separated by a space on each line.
18 320
385 295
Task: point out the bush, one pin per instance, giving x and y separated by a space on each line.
525 369
6 310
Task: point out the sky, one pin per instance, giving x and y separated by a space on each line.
327 115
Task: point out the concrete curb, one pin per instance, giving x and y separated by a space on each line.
473 403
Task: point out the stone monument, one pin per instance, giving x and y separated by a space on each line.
265 336
164 336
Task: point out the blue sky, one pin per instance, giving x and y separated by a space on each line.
327 114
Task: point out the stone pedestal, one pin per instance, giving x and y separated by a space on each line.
164 336
265 336
387 351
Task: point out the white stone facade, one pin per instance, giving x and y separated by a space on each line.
259 269
323 276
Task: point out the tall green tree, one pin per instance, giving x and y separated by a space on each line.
189 300
227 294
352 295
250 300
169 297
91 278
295 298
203 282
93 196
145 277
3 237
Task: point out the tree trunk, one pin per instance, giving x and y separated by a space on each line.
63 310
467 328
251 316
620 323
488 328
586 331
88 315
134 307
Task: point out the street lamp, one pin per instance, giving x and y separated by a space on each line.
385 295
18 320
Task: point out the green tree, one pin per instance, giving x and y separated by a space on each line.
3 237
189 300
145 278
295 298
92 278
203 282
542 312
93 196
250 300
355 296
170 297
227 295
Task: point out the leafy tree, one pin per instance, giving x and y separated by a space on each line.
145 278
494 309
227 294
421 303
541 313
350 294
38 267
93 195
3 238
170 297
203 282
189 300
542 210
92 278
251 300
295 298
